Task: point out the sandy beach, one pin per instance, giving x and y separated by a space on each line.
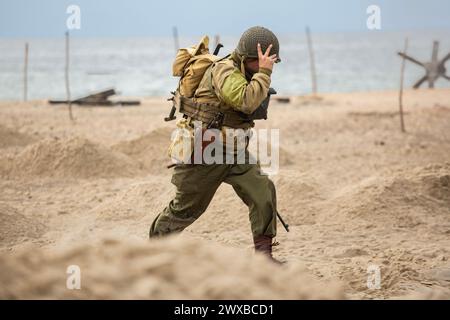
355 191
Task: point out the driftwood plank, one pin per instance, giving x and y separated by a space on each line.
100 98
97 96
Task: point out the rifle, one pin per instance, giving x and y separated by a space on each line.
261 111
217 49
174 108
285 225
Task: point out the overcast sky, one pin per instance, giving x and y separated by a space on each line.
47 18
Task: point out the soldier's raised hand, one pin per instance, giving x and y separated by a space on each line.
266 61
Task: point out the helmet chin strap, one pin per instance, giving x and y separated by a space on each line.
248 74
243 64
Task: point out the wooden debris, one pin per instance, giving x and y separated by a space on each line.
282 99
100 98
400 98
312 62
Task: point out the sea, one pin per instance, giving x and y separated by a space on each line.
142 67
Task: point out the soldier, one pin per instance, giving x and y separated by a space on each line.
235 86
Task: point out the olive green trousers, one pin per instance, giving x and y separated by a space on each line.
196 185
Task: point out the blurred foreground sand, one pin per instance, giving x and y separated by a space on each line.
354 189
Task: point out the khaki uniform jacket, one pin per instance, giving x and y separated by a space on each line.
225 84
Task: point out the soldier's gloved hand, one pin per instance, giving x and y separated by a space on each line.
266 61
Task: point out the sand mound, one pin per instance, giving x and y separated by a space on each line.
74 157
137 201
285 157
174 268
312 100
12 138
294 194
409 197
6 165
149 150
425 293
15 227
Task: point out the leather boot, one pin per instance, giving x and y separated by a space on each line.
263 244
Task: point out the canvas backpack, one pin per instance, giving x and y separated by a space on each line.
191 64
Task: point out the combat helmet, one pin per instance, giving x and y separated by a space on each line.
250 39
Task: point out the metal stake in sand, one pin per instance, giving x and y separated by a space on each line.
312 62
69 101
400 98
25 74
175 39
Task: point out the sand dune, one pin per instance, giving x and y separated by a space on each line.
13 138
175 268
136 201
75 157
408 198
355 191
17 228
150 150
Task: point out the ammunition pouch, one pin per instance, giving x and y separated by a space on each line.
212 114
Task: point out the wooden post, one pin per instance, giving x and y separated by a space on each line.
69 101
400 98
312 62
25 74
435 61
175 39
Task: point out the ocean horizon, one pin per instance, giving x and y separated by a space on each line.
345 62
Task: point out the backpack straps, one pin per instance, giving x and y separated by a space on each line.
210 82
208 112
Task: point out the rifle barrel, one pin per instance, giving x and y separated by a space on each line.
285 225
